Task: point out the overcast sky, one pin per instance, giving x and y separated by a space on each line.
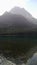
29 5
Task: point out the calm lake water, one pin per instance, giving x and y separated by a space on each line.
12 61
17 37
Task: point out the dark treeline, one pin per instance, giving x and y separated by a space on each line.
31 33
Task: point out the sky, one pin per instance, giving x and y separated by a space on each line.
29 5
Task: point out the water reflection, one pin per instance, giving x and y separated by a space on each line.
17 61
4 61
32 60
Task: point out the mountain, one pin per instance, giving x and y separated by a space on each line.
23 33
23 12
13 23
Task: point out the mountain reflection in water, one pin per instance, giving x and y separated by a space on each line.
5 61
21 41
32 60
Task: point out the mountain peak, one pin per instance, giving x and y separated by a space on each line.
21 11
